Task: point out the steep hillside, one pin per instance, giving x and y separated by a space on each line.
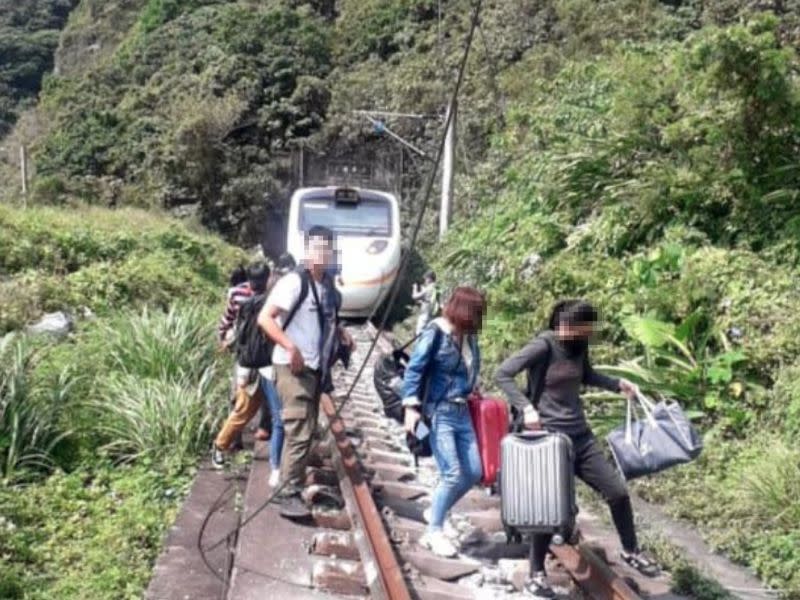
659 179
29 33
56 259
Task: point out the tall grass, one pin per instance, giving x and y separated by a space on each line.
29 430
163 420
771 486
162 396
171 346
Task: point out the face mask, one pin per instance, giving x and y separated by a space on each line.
576 347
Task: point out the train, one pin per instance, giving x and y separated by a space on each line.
366 223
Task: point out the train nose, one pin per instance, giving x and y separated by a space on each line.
362 296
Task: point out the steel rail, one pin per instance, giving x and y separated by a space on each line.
384 574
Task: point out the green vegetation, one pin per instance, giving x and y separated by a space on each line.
639 153
92 533
123 442
53 259
657 177
29 429
190 110
100 432
29 34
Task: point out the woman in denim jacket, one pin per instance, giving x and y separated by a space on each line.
447 356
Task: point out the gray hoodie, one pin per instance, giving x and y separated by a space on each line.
560 407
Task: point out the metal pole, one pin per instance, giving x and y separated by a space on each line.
302 167
447 171
23 166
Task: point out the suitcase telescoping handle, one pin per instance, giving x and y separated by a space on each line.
532 435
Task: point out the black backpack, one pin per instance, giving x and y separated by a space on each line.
387 377
253 347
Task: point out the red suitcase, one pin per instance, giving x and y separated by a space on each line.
490 420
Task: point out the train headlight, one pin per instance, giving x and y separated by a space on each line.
377 247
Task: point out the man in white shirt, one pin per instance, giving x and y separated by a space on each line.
303 356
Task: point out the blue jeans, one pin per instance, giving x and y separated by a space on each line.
276 437
455 450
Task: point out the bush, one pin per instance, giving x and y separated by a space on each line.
93 533
157 390
784 410
172 346
64 259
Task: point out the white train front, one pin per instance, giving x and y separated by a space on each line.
367 227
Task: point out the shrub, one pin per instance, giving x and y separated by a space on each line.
157 393
64 259
784 410
771 487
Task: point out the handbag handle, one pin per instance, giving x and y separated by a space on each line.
647 408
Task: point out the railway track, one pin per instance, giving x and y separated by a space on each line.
384 496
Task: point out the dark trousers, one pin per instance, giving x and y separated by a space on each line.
593 468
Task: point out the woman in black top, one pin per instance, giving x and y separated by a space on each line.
560 409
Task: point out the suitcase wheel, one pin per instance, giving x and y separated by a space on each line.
513 536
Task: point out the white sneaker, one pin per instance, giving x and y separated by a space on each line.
449 529
274 478
438 543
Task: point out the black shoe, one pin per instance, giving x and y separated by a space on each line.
538 587
293 507
641 563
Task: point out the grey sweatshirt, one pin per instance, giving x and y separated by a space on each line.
560 407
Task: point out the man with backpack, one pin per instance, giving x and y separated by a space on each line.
244 306
301 318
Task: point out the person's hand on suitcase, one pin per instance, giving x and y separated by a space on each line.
628 388
410 419
530 419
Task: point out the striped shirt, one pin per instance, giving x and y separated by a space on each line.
236 297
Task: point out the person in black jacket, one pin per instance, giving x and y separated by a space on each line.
561 358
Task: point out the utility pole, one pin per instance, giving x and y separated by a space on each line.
448 159
23 166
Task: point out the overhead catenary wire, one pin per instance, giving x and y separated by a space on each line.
394 292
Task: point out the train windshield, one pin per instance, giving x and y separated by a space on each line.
369 217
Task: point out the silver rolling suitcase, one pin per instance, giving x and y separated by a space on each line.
537 485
